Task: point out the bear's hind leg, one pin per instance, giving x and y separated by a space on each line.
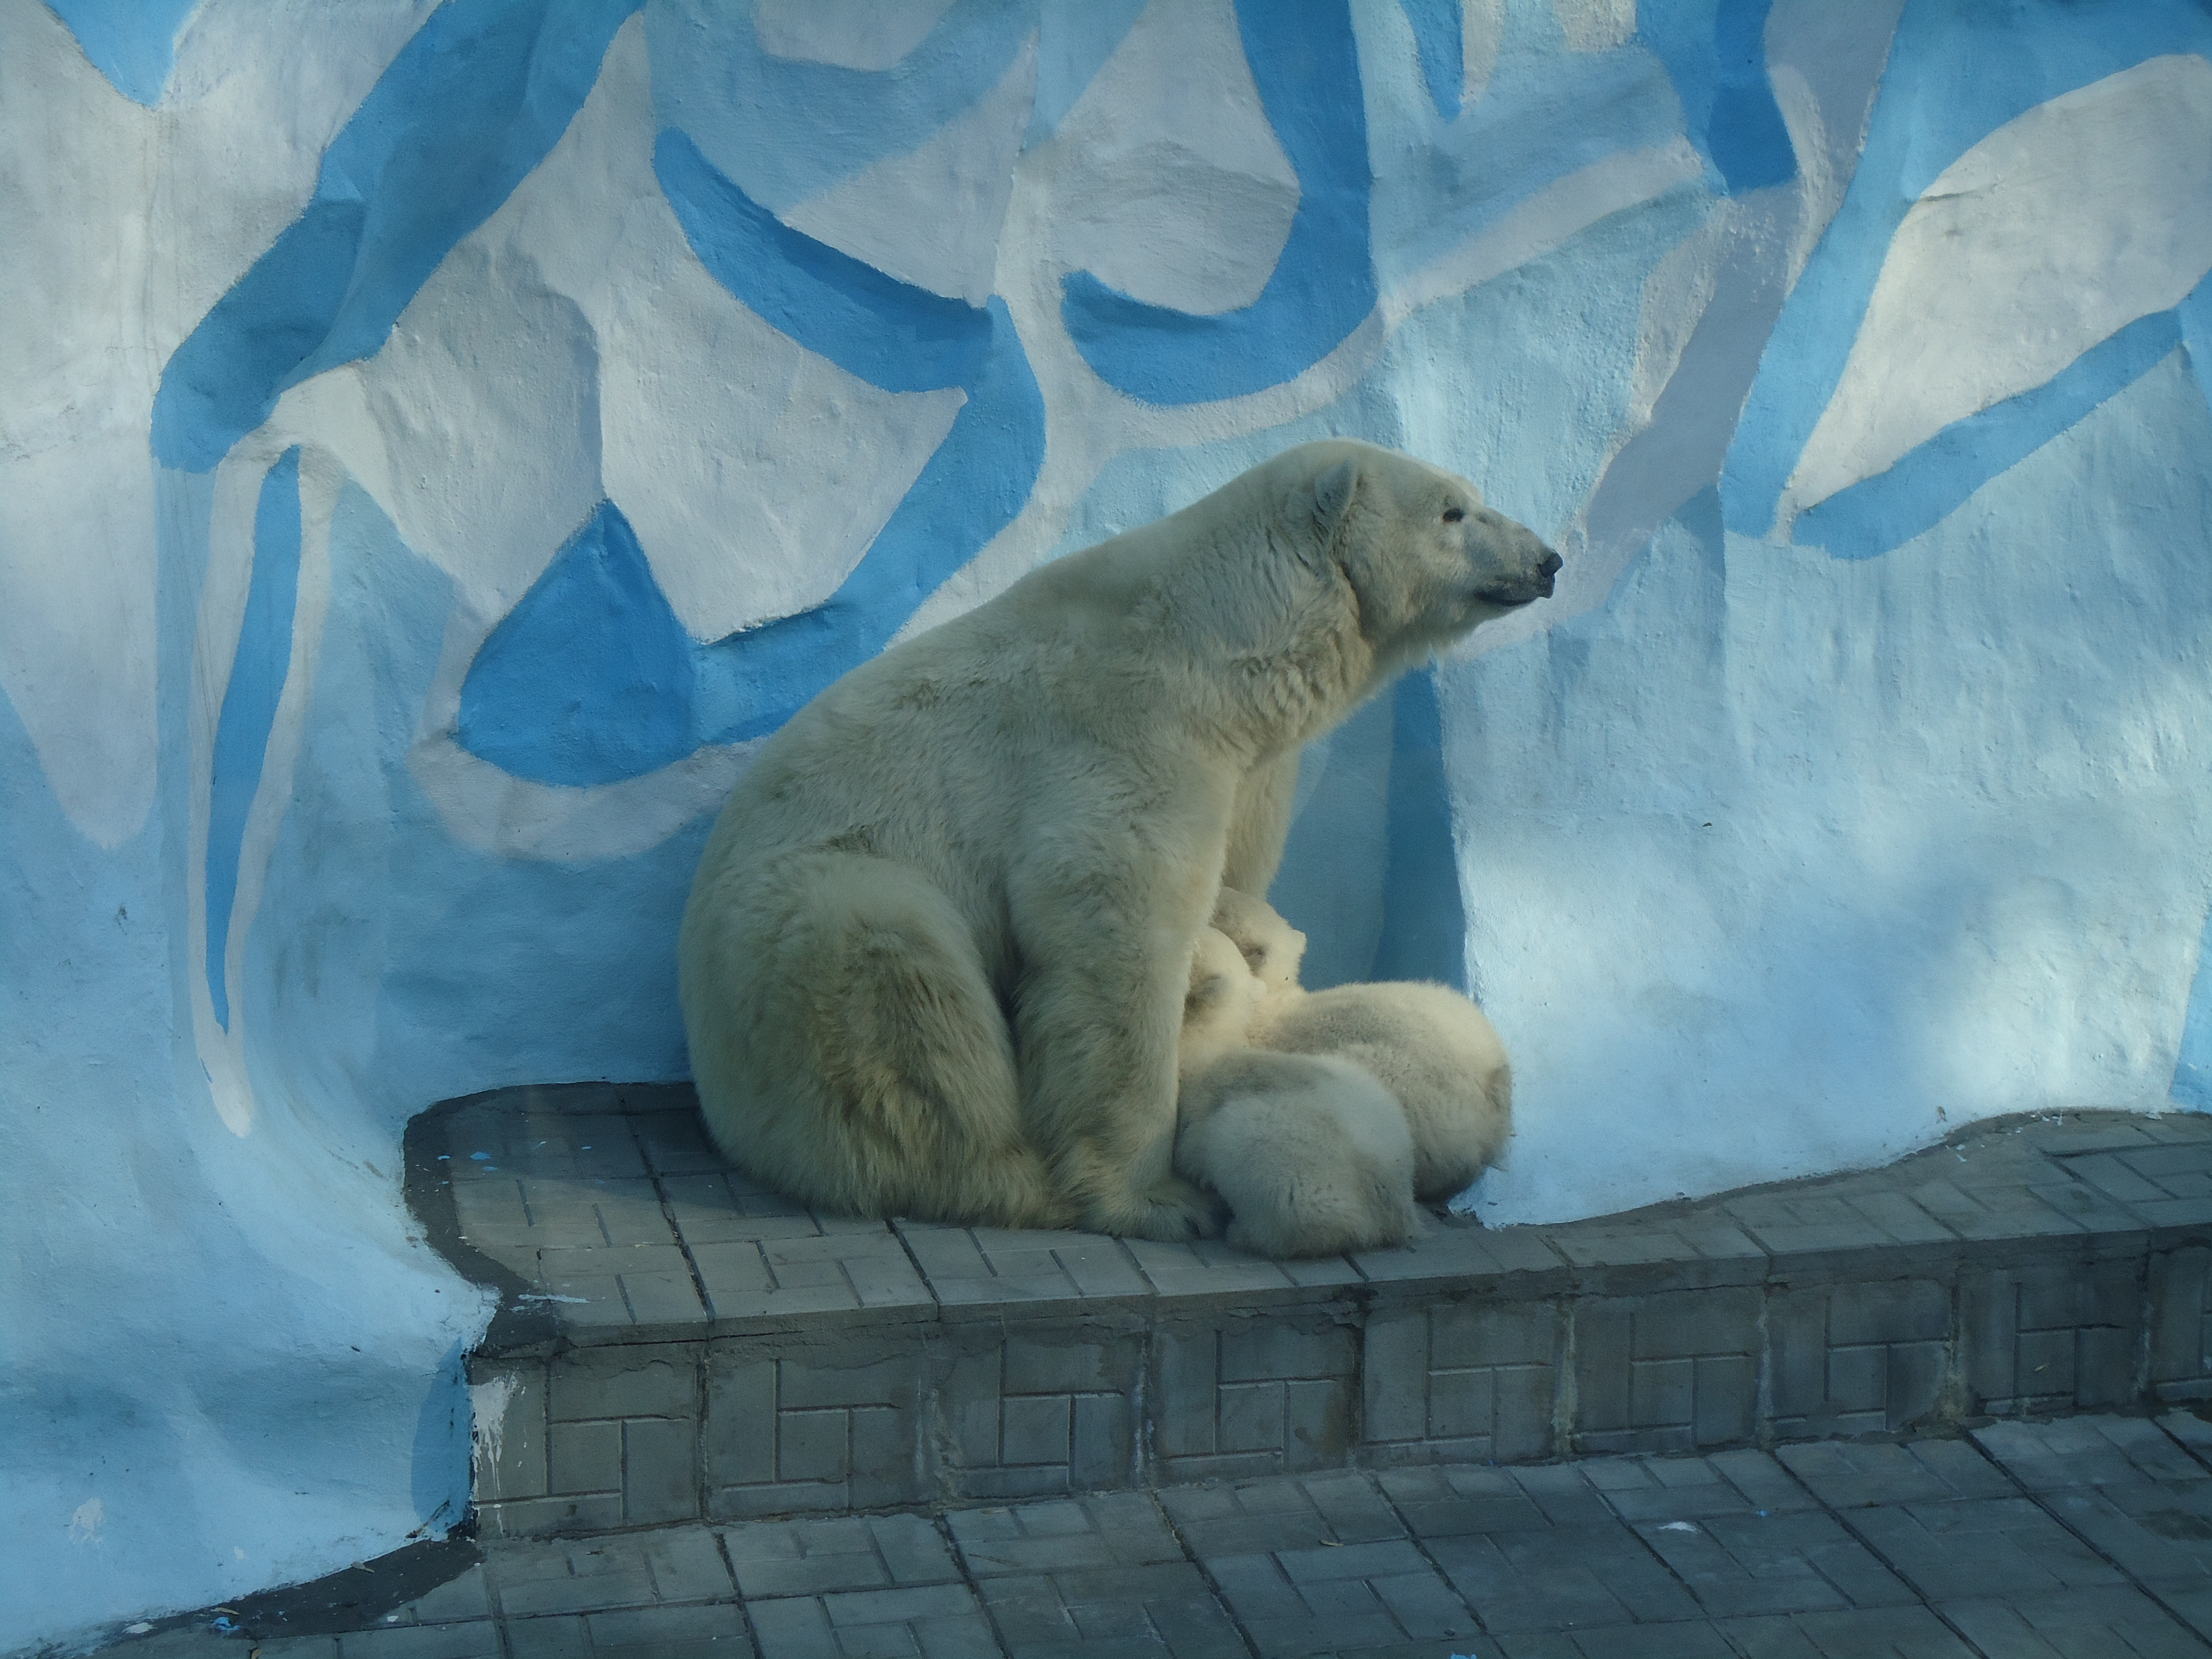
855 1056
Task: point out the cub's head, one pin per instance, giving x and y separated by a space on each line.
1427 561
1273 948
1217 1010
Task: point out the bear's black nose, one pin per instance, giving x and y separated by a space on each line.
1546 571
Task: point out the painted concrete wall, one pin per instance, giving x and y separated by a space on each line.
437 443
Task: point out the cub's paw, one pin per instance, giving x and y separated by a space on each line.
1173 1211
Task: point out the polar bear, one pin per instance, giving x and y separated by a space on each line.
1310 1153
1434 1049
934 958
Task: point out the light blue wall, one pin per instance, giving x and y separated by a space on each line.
437 443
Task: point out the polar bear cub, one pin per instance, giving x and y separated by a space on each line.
1311 1154
1429 1046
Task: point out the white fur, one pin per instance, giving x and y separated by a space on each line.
934 959
1430 1047
1311 1154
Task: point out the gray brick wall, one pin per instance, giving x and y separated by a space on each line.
1254 1396
1677 1371
818 1427
1460 1382
1037 1411
2180 1300
2052 1337
808 1365
1856 1358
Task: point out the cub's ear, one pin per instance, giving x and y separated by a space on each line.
1333 494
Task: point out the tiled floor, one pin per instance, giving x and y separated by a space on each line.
604 1208
675 1343
2086 1538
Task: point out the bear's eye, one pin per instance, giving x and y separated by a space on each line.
1453 514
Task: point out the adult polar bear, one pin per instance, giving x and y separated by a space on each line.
934 960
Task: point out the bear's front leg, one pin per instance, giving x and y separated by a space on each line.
1105 938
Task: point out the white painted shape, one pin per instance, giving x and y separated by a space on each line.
1482 29
224 588
1088 423
1596 25
322 477
1174 189
485 403
487 1403
859 34
2050 235
1824 62
756 474
1543 222
484 807
931 217
125 225
257 94
1928 835
85 1522
573 346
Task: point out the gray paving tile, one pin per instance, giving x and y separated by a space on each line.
2160 1535
1958 1550
1845 1475
1692 1638
1561 1577
1291 1512
479 1639
1163 1609
1800 1562
590 1575
1104 1530
2088 1451
1354 1598
813 1558
1459 1502
2187 1429
1912 1632
2077 1623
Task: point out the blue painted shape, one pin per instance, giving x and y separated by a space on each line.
1442 45
2195 316
1424 915
889 333
249 704
438 1476
1305 61
133 42
1542 117
789 130
1892 508
1717 54
2192 1070
467 109
1951 80
588 680
1075 38
752 682
592 679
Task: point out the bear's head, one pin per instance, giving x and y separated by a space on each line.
1273 948
1426 559
1223 994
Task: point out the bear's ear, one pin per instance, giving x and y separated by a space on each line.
1333 494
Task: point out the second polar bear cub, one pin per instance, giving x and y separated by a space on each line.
1430 1047
1310 1153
